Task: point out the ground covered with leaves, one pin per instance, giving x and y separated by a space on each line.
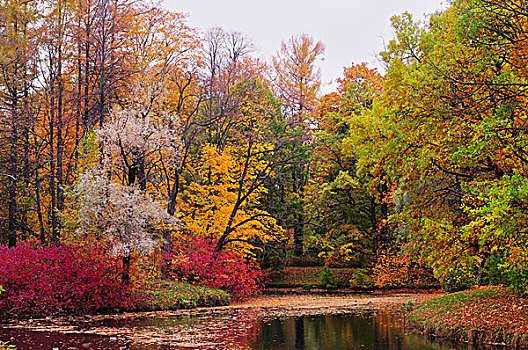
307 276
491 315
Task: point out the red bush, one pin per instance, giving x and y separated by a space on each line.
198 262
59 279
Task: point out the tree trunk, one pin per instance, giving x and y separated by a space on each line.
51 140
125 275
13 207
374 226
298 235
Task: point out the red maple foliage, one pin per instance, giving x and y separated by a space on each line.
197 262
58 279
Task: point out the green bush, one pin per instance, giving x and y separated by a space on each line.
327 279
518 278
459 278
361 279
493 274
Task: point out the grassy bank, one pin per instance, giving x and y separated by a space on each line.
491 315
170 295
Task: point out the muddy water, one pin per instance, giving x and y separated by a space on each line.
239 329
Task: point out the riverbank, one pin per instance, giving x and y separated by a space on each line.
490 315
172 295
193 327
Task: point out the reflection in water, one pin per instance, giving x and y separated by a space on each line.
382 330
23 340
341 332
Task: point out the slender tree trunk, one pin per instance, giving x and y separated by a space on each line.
27 180
384 213
131 179
39 207
53 209
13 207
298 231
86 96
125 275
60 141
298 228
374 225
142 177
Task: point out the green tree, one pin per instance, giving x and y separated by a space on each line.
346 205
449 132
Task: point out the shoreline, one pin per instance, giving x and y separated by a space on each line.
267 304
129 326
482 316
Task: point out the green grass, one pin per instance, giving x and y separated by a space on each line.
484 315
170 295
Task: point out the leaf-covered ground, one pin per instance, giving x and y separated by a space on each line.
305 276
492 315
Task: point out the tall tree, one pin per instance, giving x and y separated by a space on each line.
297 82
19 49
346 204
449 132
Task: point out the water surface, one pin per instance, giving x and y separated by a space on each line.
242 329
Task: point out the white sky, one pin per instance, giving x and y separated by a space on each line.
352 30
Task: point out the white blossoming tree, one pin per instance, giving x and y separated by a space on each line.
115 198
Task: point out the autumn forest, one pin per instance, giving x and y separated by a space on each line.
135 148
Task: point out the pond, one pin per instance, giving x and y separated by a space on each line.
239 329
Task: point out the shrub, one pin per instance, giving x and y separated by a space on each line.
396 269
458 278
327 279
361 279
60 279
197 262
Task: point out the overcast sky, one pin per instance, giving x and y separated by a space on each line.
352 30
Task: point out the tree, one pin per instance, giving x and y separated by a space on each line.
297 77
448 132
345 203
114 196
222 199
19 48
120 214
297 82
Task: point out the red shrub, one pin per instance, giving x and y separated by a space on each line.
59 279
197 262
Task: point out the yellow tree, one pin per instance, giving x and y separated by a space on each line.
222 206
222 194
298 79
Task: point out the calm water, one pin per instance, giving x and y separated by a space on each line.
382 330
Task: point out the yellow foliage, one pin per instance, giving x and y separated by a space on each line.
400 269
213 204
